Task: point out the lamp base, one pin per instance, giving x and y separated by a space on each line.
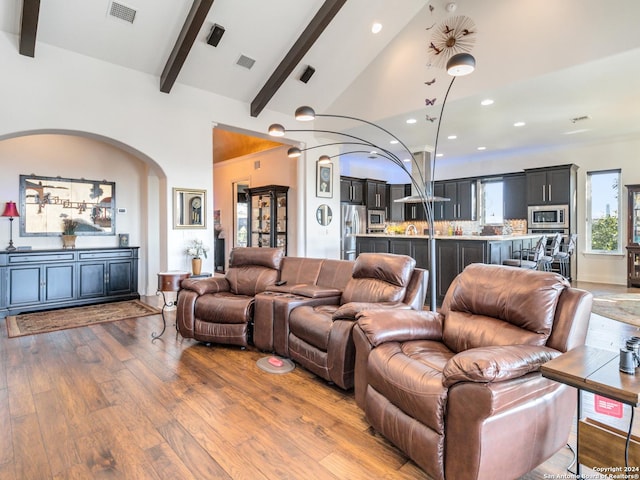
11 248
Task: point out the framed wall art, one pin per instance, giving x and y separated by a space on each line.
46 202
324 179
189 208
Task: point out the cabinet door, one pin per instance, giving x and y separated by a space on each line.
382 196
471 252
345 190
92 279
559 187
25 285
357 189
438 207
514 196
466 201
451 207
401 246
447 265
376 195
59 282
536 188
396 210
119 277
372 245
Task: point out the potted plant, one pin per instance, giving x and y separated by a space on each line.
196 250
69 233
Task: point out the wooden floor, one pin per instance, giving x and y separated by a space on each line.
106 402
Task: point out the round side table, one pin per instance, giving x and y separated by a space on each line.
168 282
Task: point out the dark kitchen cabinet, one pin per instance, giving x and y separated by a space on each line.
372 245
352 190
551 186
45 279
376 191
452 257
462 200
396 209
514 196
417 249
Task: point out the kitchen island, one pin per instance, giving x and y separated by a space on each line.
453 253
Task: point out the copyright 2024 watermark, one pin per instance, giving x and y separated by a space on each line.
601 473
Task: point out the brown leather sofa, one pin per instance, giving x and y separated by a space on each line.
220 309
303 281
460 391
317 334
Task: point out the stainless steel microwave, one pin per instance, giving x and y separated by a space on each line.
548 216
376 220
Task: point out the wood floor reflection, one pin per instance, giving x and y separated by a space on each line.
106 402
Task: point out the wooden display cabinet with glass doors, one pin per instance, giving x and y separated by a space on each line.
633 236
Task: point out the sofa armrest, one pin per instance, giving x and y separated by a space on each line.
399 325
206 285
495 363
349 311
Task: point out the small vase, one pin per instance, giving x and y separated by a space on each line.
68 241
196 266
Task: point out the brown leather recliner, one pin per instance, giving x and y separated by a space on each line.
220 309
460 391
320 336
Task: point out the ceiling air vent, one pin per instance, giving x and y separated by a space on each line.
122 12
245 62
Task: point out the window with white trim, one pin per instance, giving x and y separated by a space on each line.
603 233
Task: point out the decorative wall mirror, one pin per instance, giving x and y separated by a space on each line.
324 215
189 208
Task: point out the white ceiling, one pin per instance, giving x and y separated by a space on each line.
544 62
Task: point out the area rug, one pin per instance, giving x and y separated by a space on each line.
624 307
52 320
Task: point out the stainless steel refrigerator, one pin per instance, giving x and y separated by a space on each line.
353 220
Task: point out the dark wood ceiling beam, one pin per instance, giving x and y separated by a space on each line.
29 27
193 23
313 31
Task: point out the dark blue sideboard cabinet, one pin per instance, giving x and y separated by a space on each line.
45 279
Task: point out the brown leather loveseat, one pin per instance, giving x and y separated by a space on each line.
460 391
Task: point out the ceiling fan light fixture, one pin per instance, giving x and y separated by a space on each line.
305 114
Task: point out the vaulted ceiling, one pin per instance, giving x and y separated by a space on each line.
543 62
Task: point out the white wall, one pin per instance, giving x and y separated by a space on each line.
170 134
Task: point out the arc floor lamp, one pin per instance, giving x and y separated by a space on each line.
458 65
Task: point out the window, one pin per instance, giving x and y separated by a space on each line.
603 212
492 205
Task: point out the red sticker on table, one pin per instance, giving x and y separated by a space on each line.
607 406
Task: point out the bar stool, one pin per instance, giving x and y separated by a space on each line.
529 258
549 256
564 255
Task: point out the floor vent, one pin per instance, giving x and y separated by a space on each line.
245 62
123 12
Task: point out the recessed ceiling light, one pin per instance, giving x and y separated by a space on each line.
439 154
452 137
411 121
482 148
406 160
486 101
376 27
394 142
519 124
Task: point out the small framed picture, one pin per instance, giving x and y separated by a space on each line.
123 239
324 179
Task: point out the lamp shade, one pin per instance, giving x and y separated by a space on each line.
276 130
324 159
294 152
10 210
305 114
461 64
